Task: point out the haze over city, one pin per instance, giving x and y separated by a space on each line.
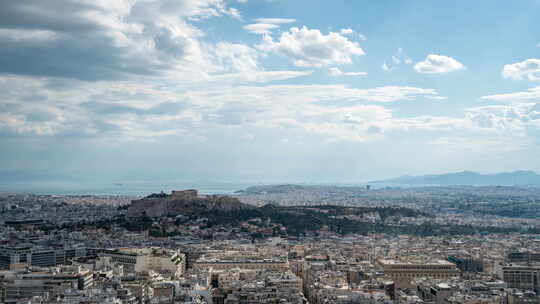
267 91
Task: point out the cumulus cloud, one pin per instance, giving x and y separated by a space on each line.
117 40
436 64
183 86
102 40
516 120
240 63
337 72
94 40
310 48
238 57
528 69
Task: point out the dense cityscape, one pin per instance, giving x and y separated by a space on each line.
409 245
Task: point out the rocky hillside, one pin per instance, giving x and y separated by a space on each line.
183 202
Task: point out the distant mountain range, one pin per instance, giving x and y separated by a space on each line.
515 178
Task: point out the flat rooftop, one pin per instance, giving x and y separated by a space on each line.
414 262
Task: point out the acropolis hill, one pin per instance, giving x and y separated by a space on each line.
182 202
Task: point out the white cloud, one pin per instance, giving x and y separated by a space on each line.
322 93
530 94
237 57
310 48
513 117
337 72
260 28
397 59
330 111
195 9
182 85
429 123
434 64
529 69
233 12
134 109
259 76
437 97
264 26
124 39
275 20
240 63
351 32
108 39
29 35
346 31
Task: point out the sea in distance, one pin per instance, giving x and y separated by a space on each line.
126 188
143 188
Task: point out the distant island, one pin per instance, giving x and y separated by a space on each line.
515 178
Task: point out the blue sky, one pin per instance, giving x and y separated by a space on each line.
267 91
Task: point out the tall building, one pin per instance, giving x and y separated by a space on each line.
146 259
28 254
523 256
47 281
526 277
467 263
439 269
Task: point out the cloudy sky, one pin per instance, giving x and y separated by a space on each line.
267 90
